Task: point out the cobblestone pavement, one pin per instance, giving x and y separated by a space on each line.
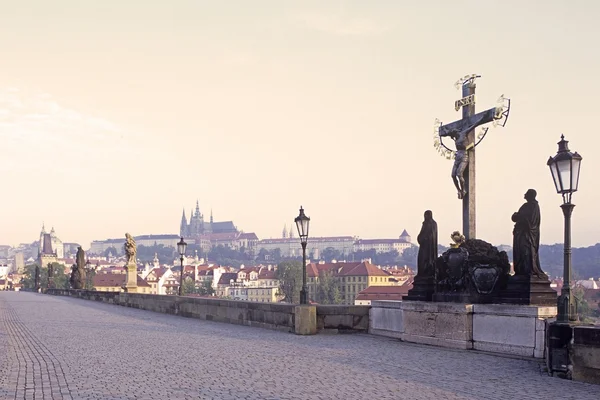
65 348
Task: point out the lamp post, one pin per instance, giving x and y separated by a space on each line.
181 246
565 167
302 223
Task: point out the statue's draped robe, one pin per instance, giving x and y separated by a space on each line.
526 240
428 249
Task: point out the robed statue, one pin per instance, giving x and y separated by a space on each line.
77 279
526 238
428 246
130 249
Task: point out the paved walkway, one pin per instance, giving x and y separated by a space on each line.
64 348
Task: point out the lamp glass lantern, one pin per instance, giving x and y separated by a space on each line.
565 167
181 246
302 223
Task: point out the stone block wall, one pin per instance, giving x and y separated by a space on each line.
275 316
343 319
586 354
574 352
496 328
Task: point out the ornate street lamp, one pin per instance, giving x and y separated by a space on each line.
181 246
302 223
565 167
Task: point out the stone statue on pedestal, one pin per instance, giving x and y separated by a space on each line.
77 279
130 249
130 285
428 246
424 283
526 238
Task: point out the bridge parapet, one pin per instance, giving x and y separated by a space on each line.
276 316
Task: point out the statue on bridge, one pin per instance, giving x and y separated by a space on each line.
526 238
428 246
130 249
77 279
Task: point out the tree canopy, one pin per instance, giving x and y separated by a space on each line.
289 274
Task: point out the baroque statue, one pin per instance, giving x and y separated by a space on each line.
526 238
77 279
428 246
130 249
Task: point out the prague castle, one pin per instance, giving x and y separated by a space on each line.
198 226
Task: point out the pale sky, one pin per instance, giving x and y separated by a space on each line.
116 114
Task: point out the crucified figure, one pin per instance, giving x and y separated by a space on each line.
461 161
460 134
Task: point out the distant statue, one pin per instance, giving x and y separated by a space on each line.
428 246
77 279
130 249
526 238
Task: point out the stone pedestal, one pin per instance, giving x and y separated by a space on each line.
422 290
305 320
386 318
511 329
130 285
496 328
527 290
438 324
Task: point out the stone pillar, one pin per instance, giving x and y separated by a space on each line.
130 285
305 321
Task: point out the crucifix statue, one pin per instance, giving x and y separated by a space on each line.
463 134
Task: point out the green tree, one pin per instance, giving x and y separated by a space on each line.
60 279
112 250
205 289
328 289
583 308
409 256
188 286
289 274
330 254
89 279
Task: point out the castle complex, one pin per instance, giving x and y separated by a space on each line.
197 226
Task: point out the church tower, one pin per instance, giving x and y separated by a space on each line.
183 227
284 233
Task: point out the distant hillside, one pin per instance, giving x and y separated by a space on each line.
586 261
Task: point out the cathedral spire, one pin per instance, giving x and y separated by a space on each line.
183 226
284 233
211 216
197 208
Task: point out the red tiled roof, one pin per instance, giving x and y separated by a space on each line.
227 277
266 274
384 292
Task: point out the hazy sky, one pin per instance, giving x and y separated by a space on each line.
116 114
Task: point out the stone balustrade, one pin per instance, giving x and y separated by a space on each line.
276 316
